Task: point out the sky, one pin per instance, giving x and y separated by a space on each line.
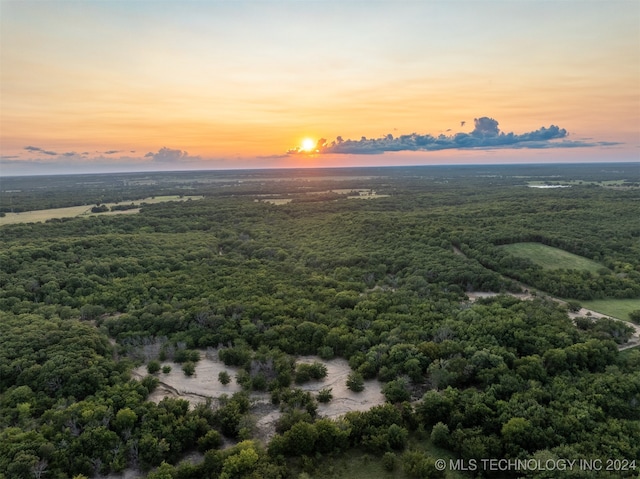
101 86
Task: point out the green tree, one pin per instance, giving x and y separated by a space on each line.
396 391
211 440
389 461
243 460
189 368
301 438
224 378
397 437
355 382
125 420
153 367
325 395
164 471
516 433
417 465
440 435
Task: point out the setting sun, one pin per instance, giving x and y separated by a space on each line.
308 144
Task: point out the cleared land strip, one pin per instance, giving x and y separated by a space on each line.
584 312
38 216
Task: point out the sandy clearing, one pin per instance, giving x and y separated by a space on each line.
278 201
197 388
485 294
344 400
204 384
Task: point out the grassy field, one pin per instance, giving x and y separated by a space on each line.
552 258
356 464
617 308
85 210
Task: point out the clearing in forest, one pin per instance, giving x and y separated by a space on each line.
617 308
552 258
38 216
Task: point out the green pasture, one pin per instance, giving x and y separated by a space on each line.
356 464
552 258
617 308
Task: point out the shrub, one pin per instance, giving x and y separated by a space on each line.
326 352
396 391
186 355
397 437
189 368
389 461
224 378
440 435
153 367
306 372
324 395
355 382
211 440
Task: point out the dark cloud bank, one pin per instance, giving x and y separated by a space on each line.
486 134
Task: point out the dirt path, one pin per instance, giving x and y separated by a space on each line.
584 312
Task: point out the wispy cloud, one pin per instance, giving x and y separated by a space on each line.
485 135
40 150
164 155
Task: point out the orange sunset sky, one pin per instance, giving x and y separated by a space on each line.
164 85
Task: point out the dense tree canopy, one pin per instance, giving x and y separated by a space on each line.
382 283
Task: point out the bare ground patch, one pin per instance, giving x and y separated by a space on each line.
204 384
197 388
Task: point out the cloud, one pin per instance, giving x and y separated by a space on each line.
485 135
168 155
165 156
272 157
35 148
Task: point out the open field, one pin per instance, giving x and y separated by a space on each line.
552 258
618 308
39 216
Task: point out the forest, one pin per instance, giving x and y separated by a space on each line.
381 280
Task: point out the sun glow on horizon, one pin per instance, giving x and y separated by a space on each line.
308 145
